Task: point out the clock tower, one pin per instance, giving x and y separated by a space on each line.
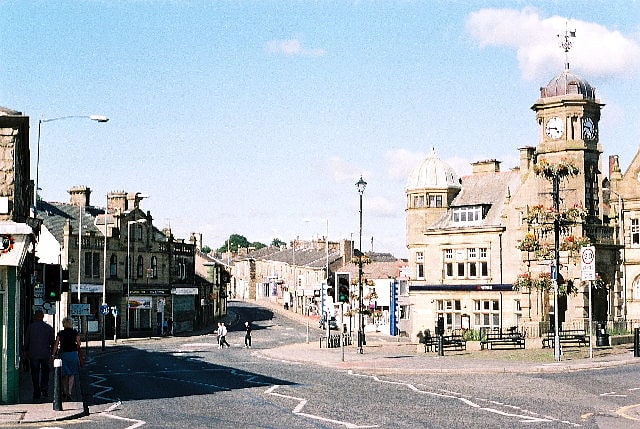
568 114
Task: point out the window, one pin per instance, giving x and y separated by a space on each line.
418 201
138 232
469 263
487 313
91 264
435 200
140 267
419 256
517 311
420 271
154 267
451 311
113 266
468 215
635 231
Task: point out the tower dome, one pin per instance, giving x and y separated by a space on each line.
433 173
567 83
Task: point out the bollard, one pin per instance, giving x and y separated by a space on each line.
636 342
440 345
57 385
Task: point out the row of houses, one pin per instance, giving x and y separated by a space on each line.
118 257
116 273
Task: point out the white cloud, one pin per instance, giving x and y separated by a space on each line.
292 48
596 50
341 171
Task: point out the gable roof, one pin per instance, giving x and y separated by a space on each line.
482 189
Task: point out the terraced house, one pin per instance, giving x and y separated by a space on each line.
146 274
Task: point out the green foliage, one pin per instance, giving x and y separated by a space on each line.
278 243
472 335
206 249
236 241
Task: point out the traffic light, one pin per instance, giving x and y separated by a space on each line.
52 278
343 283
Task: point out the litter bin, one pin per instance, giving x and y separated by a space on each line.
602 338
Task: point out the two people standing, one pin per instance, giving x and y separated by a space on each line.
222 335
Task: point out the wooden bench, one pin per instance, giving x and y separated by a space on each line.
496 340
455 342
570 338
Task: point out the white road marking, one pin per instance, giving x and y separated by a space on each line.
302 402
524 417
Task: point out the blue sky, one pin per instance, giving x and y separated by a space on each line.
258 117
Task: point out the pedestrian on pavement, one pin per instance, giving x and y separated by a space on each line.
38 346
170 326
247 335
70 348
222 331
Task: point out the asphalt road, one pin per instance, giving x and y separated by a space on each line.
187 382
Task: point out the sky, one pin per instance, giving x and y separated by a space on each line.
258 117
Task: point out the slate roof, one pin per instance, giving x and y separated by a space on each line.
55 215
489 189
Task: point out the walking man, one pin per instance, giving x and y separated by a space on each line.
38 344
247 335
222 331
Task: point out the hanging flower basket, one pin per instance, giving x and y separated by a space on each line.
529 244
523 282
572 243
561 169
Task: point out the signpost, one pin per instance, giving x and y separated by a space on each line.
114 311
588 274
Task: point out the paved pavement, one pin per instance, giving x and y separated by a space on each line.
381 355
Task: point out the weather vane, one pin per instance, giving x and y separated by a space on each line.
566 43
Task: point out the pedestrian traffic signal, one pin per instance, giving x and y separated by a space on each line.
52 278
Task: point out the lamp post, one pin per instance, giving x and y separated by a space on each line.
360 185
97 118
129 264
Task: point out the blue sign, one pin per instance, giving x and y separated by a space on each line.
104 309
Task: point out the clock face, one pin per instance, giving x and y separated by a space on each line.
588 129
554 128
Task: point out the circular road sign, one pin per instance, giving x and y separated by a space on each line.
588 256
104 309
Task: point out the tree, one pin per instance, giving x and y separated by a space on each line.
237 241
278 243
206 249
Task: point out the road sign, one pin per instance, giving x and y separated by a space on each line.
114 311
104 309
588 263
80 309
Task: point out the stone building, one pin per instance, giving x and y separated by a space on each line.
212 279
481 246
146 274
17 231
624 200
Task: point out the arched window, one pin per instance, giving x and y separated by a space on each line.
154 267
140 267
113 266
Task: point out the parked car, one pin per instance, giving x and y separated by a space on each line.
333 323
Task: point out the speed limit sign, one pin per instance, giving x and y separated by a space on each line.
588 263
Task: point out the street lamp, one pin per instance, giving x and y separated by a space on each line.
360 185
97 118
129 264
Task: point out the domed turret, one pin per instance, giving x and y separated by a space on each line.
567 83
433 173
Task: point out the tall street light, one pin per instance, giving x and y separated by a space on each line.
360 185
97 118
129 264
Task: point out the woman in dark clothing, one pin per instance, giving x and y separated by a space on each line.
68 346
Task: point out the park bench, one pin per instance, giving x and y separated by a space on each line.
495 340
568 338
